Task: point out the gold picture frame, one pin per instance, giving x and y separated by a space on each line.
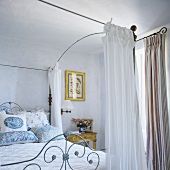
75 85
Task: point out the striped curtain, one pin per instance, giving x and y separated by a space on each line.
158 137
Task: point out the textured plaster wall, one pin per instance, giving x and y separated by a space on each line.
29 88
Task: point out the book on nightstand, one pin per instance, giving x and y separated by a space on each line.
72 132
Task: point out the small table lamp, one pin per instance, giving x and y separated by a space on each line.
67 106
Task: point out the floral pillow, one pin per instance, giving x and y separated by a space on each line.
40 109
16 137
10 123
36 119
44 134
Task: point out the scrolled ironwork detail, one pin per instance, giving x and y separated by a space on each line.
10 107
163 30
53 156
33 164
91 161
76 153
65 154
66 157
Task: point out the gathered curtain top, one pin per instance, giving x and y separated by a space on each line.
122 34
56 67
153 41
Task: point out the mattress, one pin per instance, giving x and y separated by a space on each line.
22 152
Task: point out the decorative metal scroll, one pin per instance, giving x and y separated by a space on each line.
10 107
65 154
163 30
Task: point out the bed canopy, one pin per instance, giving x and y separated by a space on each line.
124 143
123 136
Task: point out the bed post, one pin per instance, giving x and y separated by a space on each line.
50 102
134 28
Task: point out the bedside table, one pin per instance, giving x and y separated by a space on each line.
88 136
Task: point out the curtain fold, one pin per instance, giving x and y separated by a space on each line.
158 137
54 78
124 143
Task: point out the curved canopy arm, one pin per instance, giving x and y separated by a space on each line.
76 43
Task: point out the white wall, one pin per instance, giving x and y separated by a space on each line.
29 88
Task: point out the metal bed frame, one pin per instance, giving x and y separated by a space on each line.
11 106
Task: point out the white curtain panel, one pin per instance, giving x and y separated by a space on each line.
54 78
124 142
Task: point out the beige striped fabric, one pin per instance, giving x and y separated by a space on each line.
158 137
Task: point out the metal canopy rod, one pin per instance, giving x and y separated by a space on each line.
163 30
77 42
71 12
29 68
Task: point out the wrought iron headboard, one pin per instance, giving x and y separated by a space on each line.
10 107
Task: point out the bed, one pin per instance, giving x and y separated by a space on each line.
41 152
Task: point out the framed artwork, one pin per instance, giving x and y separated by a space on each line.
75 85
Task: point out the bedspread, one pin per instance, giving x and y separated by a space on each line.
21 152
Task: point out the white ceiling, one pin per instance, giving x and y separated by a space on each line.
36 22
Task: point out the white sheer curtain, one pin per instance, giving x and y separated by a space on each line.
124 143
54 77
140 61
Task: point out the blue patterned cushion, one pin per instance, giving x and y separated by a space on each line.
8 138
44 134
10 123
36 119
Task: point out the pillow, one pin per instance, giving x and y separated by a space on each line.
2 112
36 119
44 134
40 109
7 110
10 123
16 137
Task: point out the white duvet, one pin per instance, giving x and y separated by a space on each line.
21 152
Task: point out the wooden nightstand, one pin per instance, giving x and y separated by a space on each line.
88 136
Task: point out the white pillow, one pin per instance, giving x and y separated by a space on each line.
36 119
11 123
40 109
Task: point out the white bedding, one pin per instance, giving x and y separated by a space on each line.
21 152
